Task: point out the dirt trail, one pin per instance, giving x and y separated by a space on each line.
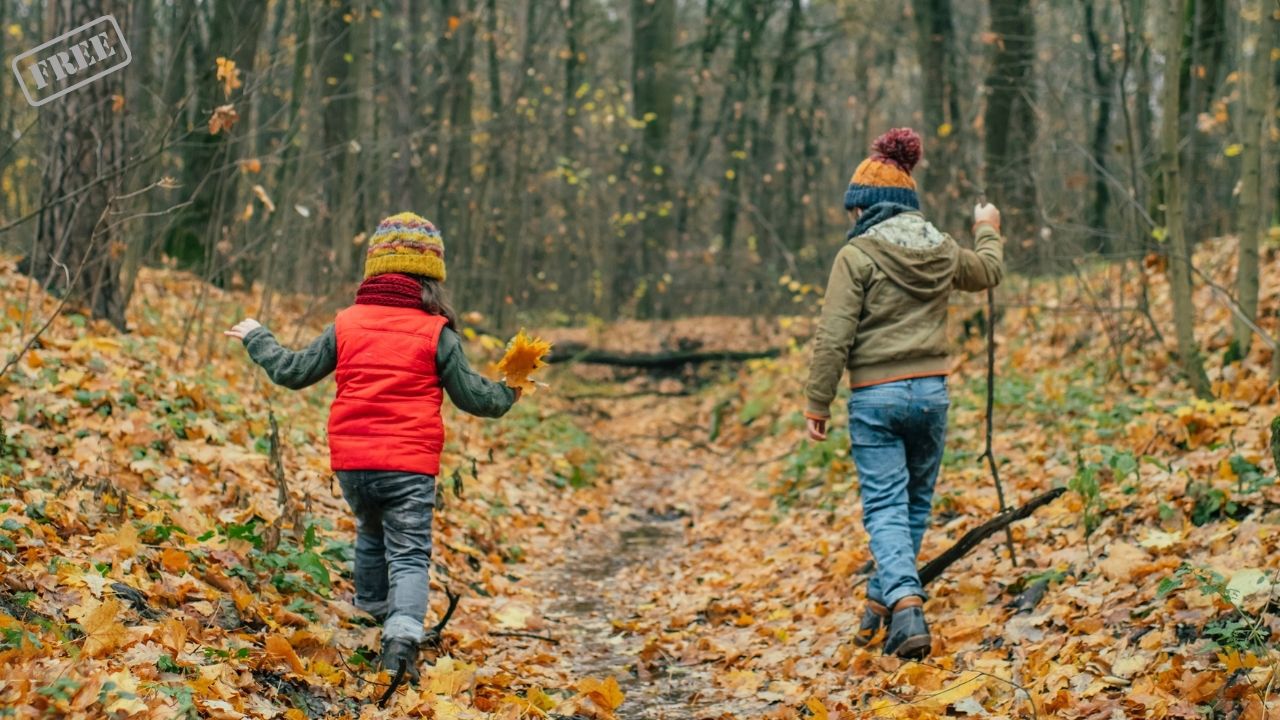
604 581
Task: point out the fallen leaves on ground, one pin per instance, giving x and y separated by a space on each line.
674 547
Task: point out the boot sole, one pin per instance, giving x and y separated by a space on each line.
914 648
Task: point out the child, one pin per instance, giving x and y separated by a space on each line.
394 351
884 320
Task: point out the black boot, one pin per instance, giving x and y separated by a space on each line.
908 632
397 652
873 618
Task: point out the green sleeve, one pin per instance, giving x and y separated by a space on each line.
982 267
837 329
470 392
293 369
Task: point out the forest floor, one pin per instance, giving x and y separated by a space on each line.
634 546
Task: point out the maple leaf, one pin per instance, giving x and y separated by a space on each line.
279 648
174 560
524 355
102 631
450 677
121 692
223 118
228 74
816 709
604 693
172 633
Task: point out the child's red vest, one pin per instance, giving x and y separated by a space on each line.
386 415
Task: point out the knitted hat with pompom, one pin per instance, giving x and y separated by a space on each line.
886 175
405 243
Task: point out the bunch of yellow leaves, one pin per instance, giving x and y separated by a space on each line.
524 355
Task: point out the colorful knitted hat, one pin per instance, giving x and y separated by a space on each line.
405 243
886 175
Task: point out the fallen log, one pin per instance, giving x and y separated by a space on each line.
654 361
971 539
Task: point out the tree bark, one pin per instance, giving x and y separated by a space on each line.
1011 125
754 20
943 119
653 86
75 252
1100 238
1175 223
339 120
1256 89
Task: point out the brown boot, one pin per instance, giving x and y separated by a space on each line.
874 617
909 636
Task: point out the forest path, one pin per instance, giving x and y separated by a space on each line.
598 591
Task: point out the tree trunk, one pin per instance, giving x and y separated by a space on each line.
1203 71
209 167
712 35
754 19
406 186
653 83
1175 223
572 62
1011 124
1100 237
339 121
75 251
458 48
943 119
1256 90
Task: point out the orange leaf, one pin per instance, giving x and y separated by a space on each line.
524 355
228 74
605 693
125 540
278 648
174 560
223 118
102 631
173 635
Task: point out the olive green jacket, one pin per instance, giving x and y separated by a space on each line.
884 316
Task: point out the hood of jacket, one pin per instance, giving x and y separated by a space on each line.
912 253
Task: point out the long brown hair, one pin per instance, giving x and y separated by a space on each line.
435 300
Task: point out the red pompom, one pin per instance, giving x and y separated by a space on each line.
900 146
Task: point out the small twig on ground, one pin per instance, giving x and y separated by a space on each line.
531 636
395 683
436 634
277 463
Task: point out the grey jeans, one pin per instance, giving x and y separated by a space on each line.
393 546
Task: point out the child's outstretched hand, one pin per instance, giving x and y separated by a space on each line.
243 328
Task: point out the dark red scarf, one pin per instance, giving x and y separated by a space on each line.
392 290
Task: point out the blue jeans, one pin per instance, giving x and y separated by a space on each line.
898 431
393 546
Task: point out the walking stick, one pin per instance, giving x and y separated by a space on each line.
989 453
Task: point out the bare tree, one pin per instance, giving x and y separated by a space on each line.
76 250
1175 222
1256 89
1011 121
